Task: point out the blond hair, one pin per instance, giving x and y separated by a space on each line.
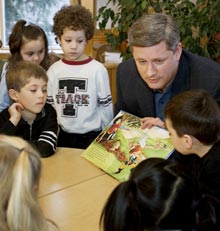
20 168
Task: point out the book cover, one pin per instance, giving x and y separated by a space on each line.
123 144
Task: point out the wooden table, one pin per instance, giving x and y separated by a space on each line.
73 191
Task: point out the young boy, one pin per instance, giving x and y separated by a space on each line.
29 116
193 120
78 85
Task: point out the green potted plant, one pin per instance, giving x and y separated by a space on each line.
198 21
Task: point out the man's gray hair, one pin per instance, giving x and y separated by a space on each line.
151 29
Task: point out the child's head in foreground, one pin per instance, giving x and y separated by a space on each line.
20 171
151 198
27 84
20 168
193 120
74 27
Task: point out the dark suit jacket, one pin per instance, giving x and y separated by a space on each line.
134 95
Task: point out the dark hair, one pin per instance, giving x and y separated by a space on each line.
155 196
75 17
21 33
207 210
195 113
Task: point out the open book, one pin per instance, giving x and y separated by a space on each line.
123 144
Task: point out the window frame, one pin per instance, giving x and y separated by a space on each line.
4 31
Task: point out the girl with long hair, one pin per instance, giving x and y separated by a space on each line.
20 169
27 42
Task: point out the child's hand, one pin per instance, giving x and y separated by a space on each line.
15 112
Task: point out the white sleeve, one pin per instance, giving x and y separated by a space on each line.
50 99
104 97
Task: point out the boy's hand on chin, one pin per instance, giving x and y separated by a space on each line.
15 112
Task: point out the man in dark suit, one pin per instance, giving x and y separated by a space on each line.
160 68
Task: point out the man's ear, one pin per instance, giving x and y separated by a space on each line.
13 94
188 141
178 51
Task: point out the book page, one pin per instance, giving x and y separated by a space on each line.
123 144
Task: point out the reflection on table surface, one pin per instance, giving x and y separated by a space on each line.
65 168
73 191
79 207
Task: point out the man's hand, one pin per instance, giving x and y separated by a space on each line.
148 122
15 112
